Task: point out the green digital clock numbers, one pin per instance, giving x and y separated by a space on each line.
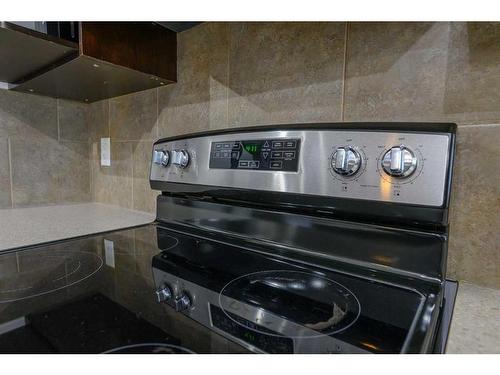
249 336
252 148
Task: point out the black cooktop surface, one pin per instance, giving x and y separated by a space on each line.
97 295
79 297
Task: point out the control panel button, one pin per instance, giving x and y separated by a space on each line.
277 154
278 164
161 157
180 158
346 161
255 154
399 161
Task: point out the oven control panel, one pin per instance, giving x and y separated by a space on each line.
281 154
401 167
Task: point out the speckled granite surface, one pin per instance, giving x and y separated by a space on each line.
475 327
21 227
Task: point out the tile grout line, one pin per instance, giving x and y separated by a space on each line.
228 33
485 125
9 150
57 119
109 119
344 73
109 136
89 150
157 113
91 170
133 173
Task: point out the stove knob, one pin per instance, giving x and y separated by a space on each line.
399 161
161 157
180 158
183 302
163 293
346 161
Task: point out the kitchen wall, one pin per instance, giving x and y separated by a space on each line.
44 151
242 74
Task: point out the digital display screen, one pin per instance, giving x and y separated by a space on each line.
252 148
267 343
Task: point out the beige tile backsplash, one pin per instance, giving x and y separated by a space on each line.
241 74
198 101
285 72
423 72
475 215
133 117
5 193
44 151
45 171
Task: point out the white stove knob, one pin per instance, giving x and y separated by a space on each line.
180 158
183 302
161 157
399 161
163 294
346 161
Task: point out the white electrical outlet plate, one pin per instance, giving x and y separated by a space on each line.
105 152
109 253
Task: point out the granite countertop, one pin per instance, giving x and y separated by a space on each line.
20 227
475 327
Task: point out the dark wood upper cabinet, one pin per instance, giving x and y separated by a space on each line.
113 59
143 46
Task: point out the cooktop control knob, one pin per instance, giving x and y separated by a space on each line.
182 302
346 161
161 157
399 161
163 294
180 158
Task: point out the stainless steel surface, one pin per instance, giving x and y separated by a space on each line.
419 255
315 176
161 157
346 161
180 158
450 294
202 298
399 161
163 293
25 51
40 26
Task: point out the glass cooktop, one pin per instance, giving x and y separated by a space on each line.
95 296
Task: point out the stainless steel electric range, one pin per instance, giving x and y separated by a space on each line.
315 238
